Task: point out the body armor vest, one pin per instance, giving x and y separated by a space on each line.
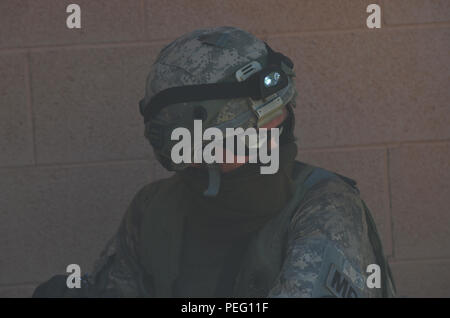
264 255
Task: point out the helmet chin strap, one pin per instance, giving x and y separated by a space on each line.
213 180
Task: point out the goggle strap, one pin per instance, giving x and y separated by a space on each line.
252 87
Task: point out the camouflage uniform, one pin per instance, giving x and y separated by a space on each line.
329 227
327 235
329 239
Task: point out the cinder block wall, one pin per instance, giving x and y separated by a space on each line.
373 105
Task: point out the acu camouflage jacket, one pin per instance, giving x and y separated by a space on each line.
320 245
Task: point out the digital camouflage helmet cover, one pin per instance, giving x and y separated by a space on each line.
225 77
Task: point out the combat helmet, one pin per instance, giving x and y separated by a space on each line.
223 76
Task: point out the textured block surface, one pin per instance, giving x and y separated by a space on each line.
371 87
16 133
52 217
86 103
169 19
416 11
422 279
26 23
420 183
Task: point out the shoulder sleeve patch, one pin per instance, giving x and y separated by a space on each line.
340 285
338 277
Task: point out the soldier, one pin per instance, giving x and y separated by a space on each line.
226 230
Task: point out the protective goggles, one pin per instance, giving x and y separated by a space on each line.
252 81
